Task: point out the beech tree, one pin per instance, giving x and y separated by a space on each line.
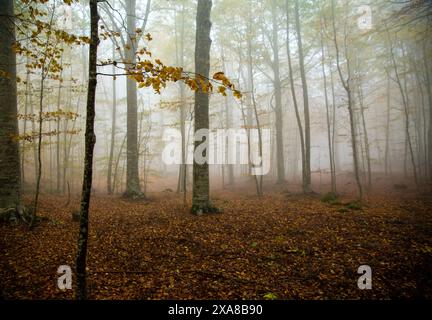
201 198
10 171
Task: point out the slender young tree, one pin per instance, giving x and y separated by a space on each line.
90 140
113 129
293 92
307 170
329 123
347 85
278 97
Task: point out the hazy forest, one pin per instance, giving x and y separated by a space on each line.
225 149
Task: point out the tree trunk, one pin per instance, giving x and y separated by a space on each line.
200 197
133 189
329 137
258 179
228 123
10 175
90 140
307 171
406 112
26 106
347 86
183 165
58 165
278 98
294 96
113 130
365 137
387 138
429 93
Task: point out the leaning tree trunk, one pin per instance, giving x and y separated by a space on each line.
10 175
90 140
200 197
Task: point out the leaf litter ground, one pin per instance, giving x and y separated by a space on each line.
282 246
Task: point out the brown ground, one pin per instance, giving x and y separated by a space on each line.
281 245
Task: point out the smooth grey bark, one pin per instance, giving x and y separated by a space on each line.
228 123
329 137
278 98
10 175
405 111
387 168
58 162
90 140
347 86
200 196
133 188
307 171
182 182
44 74
114 187
365 136
113 129
258 179
293 93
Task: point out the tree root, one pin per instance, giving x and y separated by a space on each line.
134 195
19 214
207 207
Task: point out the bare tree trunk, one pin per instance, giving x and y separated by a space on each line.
294 97
387 138
117 164
26 107
347 86
58 165
113 129
365 137
228 123
406 112
200 197
10 175
258 179
183 166
307 180
329 138
278 98
90 140
133 189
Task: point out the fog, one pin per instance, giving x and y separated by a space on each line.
366 35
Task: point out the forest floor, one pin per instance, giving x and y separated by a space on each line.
283 246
